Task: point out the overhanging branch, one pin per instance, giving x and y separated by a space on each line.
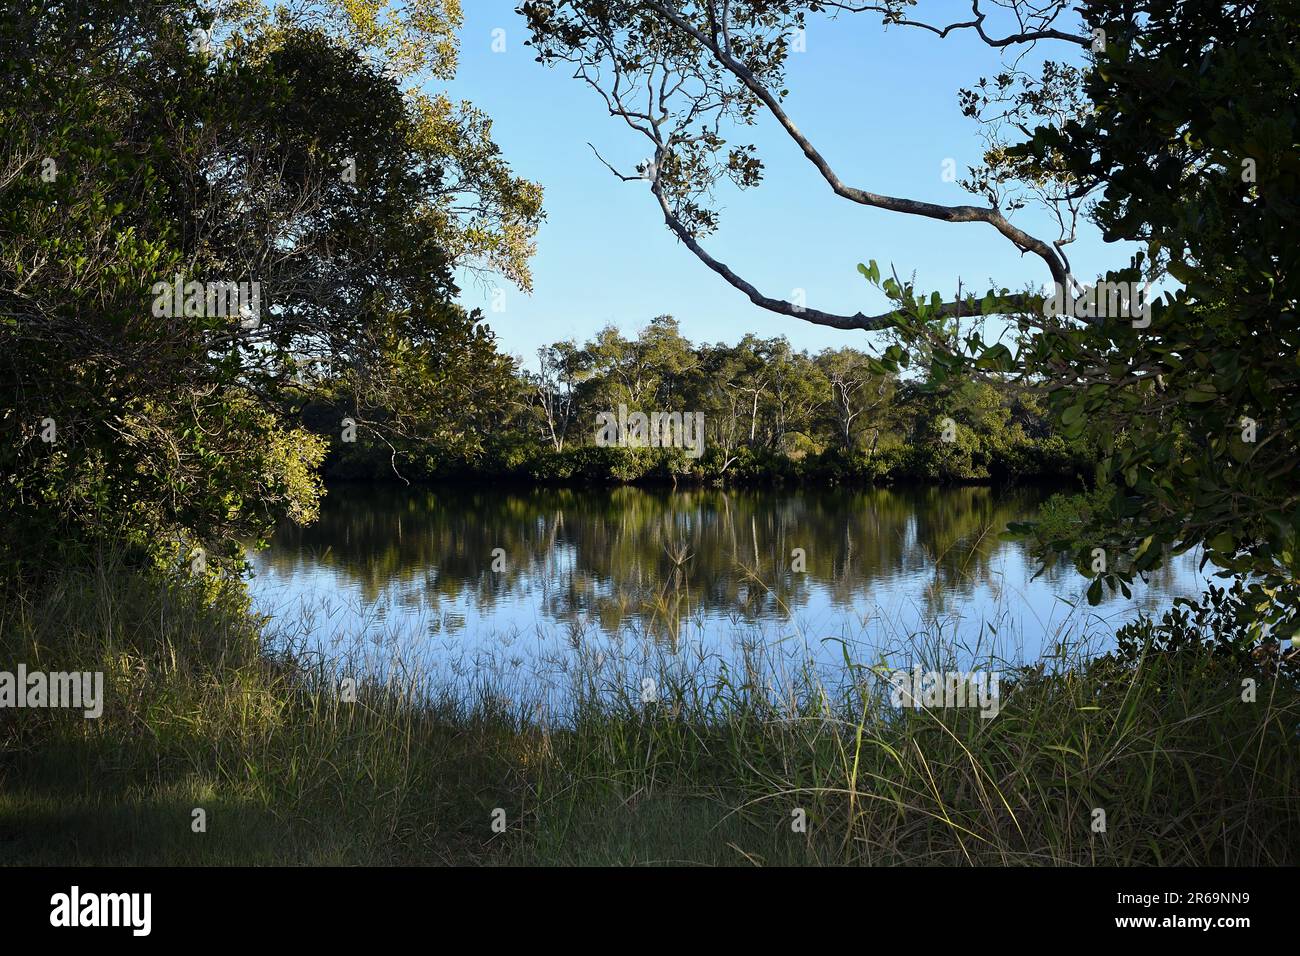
994 217
857 321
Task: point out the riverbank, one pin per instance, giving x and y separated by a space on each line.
968 459
204 713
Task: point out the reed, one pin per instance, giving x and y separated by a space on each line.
752 760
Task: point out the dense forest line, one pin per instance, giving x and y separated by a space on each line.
768 413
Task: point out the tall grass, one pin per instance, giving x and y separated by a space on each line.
720 766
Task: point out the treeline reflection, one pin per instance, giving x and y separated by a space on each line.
655 556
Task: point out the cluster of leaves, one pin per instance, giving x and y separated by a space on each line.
1222 624
1192 142
136 153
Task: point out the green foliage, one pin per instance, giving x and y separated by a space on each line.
118 422
774 414
1195 135
1221 624
284 157
1191 140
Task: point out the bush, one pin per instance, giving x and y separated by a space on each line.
1219 625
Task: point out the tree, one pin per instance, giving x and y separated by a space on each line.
855 391
485 217
559 368
677 71
751 378
798 391
282 167
1191 145
1179 118
121 420
1194 138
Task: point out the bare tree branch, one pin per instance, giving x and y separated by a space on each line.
1021 239
1031 35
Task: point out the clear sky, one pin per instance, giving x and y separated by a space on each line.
881 106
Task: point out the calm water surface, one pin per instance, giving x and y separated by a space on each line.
691 574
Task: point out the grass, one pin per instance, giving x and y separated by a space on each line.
205 711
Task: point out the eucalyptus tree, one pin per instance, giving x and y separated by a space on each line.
560 368
798 392
859 395
680 73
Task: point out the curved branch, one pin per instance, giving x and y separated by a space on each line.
858 321
993 216
1025 36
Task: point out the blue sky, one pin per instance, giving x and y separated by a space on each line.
881 106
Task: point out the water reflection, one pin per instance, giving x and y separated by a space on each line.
694 563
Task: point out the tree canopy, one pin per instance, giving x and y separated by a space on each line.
273 156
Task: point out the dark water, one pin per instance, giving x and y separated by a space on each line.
411 573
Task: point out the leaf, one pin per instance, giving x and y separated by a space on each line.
1224 543
1072 414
